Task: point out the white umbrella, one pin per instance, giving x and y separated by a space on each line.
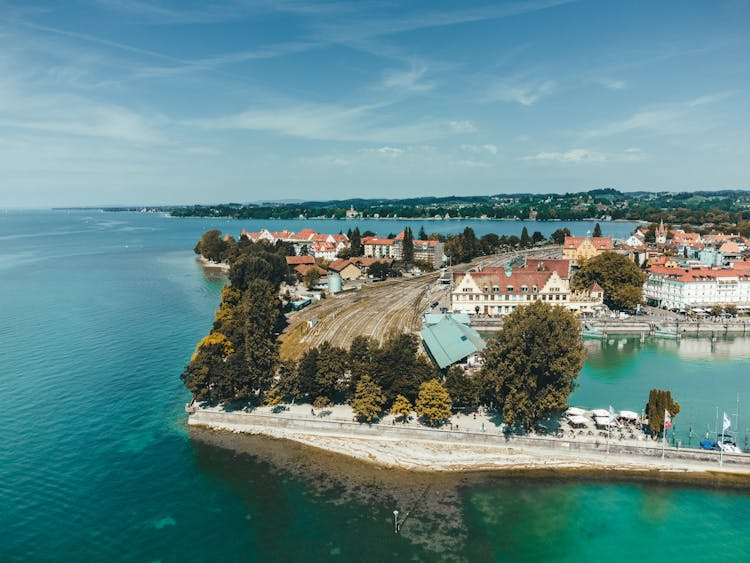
629 415
599 412
575 411
604 421
578 420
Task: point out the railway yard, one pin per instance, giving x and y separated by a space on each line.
377 308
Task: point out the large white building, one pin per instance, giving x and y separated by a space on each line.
499 291
697 287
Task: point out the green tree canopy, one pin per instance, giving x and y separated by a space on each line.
532 365
368 399
311 278
659 402
460 387
619 277
597 230
558 237
212 246
408 246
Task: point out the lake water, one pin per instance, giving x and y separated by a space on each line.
100 312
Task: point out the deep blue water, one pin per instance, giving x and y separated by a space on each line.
100 312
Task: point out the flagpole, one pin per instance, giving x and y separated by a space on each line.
721 444
664 435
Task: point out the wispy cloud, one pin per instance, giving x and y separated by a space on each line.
586 156
520 90
337 123
613 84
664 119
479 149
411 80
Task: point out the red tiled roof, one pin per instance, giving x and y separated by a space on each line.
377 240
296 260
366 262
697 274
562 267
601 243
496 278
340 264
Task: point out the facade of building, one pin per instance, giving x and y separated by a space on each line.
583 248
499 291
683 289
376 247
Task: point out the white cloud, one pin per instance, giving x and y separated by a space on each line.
468 163
411 80
385 151
333 123
463 126
664 120
613 84
479 149
570 156
586 156
520 91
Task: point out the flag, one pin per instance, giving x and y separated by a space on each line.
726 424
667 420
611 416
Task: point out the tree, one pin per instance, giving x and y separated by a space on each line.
368 399
525 238
361 357
380 270
401 408
399 369
311 277
212 246
263 318
355 242
730 309
716 310
422 233
408 246
558 237
288 384
433 403
619 277
537 237
205 370
660 401
532 365
597 230
460 388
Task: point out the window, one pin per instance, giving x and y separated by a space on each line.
524 288
510 289
534 289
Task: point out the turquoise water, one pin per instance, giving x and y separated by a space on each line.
99 314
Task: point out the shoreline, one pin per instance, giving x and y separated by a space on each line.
425 450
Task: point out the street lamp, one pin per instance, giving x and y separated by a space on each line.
395 521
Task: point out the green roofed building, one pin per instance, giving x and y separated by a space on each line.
449 341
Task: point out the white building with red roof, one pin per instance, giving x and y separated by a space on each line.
583 248
697 287
499 291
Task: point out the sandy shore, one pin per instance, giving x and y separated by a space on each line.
411 447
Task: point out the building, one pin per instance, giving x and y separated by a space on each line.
683 289
449 341
307 241
376 247
661 233
583 248
499 291
347 269
430 251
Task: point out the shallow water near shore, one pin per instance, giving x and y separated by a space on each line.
101 312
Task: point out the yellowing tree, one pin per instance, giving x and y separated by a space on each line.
401 408
368 399
433 402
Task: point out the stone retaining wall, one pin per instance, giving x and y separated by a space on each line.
260 423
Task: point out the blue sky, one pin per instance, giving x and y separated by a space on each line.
153 102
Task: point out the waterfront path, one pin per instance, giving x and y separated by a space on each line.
471 444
